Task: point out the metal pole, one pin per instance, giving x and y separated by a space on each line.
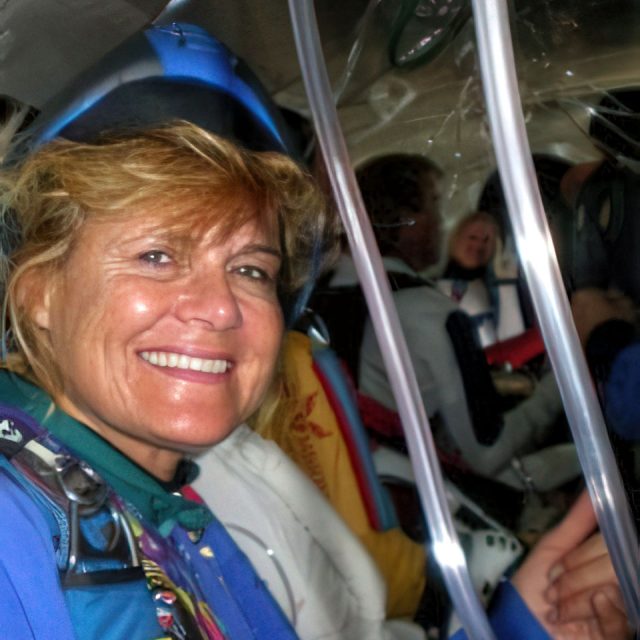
540 266
445 544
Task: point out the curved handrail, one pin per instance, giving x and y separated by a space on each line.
540 266
445 544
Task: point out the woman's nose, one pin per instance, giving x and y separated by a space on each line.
209 299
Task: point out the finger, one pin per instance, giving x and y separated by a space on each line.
581 607
612 619
572 631
573 608
591 549
582 579
575 527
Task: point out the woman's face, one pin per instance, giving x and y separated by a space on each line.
164 346
475 245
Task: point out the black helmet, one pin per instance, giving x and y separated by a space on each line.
165 73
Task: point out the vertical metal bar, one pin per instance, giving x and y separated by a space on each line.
446 546
540 266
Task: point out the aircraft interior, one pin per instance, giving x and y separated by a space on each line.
422 468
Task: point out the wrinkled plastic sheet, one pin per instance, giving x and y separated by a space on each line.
568 55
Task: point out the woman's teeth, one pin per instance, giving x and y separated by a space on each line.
181 361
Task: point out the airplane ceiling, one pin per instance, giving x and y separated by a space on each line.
568 52
45 44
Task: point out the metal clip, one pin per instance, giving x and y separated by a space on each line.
87 494
525 478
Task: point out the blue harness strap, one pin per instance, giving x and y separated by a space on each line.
103 599
32 604
336 385
189 585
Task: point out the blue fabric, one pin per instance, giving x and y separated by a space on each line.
35 606
32 605
510 618
120 611
251 613
33 597
53 514
621 393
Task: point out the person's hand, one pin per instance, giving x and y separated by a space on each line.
584 586
569 584
591 307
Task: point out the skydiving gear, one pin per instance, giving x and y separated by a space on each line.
493 304
103 535
607 226
344 312
183 584
93 540
160 75
476 300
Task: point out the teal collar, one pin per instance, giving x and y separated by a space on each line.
154 502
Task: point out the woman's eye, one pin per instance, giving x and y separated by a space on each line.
155 256
254 273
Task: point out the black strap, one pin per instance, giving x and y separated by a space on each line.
95 578
482 397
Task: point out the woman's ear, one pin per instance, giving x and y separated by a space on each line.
33 295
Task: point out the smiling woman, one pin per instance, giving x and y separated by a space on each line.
210 304
145 303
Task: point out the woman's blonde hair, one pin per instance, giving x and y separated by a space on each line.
192 179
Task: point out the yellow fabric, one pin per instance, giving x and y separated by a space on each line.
311 436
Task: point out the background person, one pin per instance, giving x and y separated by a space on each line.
606 322
490 299
401 195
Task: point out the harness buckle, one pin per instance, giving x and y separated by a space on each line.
87 495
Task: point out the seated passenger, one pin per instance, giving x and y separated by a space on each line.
605 197
470 280
315 568
605 271
401 196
